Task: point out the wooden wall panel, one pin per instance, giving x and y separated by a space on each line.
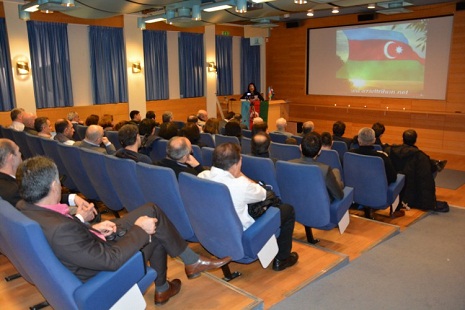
440 123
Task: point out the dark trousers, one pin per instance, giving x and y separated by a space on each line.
165 241
287 228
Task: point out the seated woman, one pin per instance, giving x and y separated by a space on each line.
252 92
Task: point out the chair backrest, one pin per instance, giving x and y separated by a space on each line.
180 124
298 139
207 139
278 138
367 175
247 133
113 137
94 163
7 133
122 175
220 139
158 150
341 148
284 151
71 158
34 255
331 158
260 169
207 156
197 151
160 186
81 130
20 139
303 187
35 145
246 145
51 150
212 216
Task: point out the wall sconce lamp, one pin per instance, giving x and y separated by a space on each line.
136 68
211 66
22 68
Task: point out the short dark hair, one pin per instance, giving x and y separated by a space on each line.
233 128
61 125
35 176
311 144
133 113
168 130
378 128
39 123
226 155
326 139
261 146
339 128
146 126
192 118
127 135
410 137
150 115
15 113
192 132
259 127
92 120
167 116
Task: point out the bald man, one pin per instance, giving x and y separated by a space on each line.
94 140
28 121
307 127
281 125
179 157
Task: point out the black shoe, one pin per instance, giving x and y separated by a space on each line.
279 265
440 164
441 206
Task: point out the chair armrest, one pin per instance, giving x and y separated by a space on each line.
255 237
395 188
339 207
107 287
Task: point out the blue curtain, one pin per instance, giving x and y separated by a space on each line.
191 64
7 97
224 65
108 65
48 44
156 65
250 64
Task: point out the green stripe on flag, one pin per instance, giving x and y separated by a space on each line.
388 70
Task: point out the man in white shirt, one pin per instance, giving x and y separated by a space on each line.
226 169
17 119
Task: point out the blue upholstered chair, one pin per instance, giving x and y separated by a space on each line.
260 169
303 187
158 150
207 156
51 150
331 158
20 139
113 137
197 151
71 158
341 148
246 145
298 139
220 139
7 133
94 164
217 225
278 138
35 146
160 186
367 175
81 131
207 139
247 133
284 151
180 124
62 289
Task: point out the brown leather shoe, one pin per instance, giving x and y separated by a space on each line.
163 297
397 213
203 264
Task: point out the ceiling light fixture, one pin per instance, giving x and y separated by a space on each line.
67 3
23 15
335 10
261 1
196 14
218 6
372 6
155 19
241 6
300 1
310 12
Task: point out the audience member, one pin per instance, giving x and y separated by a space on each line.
339 129
152 115
260 145
129 138
179 157
420 188
147 133
310 148
28 121
106 122
226 169
281 125
192 118
191 131
135 117
233 129
307 127
257 120
259 127
83 250
168 130
212 126
74 118
93 140
119 125
16 116
291 141
167 117
64 131
379 130
238 117
202 117
92 120
326 141
227 117
43 127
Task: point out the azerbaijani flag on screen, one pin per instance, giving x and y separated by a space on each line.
376 54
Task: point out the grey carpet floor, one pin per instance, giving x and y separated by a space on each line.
423 267
450 179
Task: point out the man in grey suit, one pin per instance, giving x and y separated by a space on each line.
94 139
86 250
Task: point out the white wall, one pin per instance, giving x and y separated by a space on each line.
79 57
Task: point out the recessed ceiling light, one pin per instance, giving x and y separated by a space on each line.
335 10
310 12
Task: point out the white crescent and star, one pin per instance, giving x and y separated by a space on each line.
386 53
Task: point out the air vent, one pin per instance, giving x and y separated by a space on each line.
394 11
393 4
